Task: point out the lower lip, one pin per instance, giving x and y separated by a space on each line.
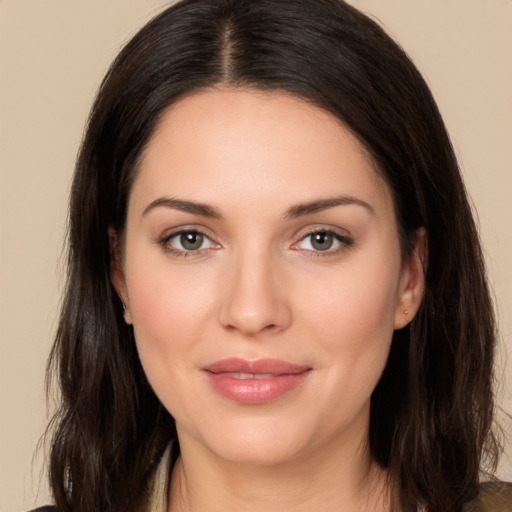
255 391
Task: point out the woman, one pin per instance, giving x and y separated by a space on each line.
276 295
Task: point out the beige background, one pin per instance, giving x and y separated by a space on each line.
53 54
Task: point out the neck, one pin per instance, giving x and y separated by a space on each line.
330 479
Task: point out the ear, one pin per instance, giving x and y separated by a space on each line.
117 272
412 280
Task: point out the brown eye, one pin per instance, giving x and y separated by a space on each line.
322 240
191 240
186 242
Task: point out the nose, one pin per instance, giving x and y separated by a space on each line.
254 299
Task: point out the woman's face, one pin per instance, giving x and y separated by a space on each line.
263 274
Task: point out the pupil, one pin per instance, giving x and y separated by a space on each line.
322 241
191 241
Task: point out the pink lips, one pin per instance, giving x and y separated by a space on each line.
254 382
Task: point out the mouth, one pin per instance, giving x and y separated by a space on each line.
255 382
247 376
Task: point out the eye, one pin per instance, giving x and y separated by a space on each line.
189 240
324 241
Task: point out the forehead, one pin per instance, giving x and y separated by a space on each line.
221 144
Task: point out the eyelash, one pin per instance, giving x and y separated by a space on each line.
344 241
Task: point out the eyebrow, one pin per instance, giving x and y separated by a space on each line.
304 209
185 206
299 210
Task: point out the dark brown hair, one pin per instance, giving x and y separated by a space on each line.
432 410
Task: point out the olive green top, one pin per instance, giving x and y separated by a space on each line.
492 497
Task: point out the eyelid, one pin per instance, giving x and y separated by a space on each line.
322 228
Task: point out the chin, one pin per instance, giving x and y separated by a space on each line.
255 441
260 452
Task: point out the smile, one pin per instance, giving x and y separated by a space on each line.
255 382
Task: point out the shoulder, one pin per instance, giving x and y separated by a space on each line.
492 497
45 509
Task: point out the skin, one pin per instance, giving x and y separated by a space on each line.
258 288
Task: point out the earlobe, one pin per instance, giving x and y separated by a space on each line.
412 281
117 273
127 315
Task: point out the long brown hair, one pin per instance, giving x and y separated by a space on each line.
432 410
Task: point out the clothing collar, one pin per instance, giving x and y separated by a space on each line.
160 486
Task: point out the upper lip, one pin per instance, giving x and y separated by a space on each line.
259 366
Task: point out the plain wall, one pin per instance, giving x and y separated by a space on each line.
53 54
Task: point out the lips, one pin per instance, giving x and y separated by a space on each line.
255 382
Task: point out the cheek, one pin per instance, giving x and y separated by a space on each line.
164 296
351 316
169 307
359 299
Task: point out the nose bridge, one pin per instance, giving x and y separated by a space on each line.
253 301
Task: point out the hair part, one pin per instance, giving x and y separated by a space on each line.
432 410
